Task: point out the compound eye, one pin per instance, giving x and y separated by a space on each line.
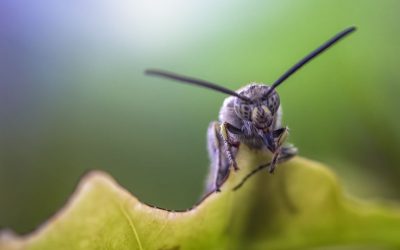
272 102
243 110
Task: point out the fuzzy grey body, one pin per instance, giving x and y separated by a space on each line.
252 125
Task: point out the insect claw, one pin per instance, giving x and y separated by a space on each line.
235 167
271 170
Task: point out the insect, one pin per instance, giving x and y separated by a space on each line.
250 115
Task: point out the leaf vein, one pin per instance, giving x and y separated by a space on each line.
132 226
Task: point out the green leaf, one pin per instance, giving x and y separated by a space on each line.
301 206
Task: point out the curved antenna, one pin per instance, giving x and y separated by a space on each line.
194 81
310 56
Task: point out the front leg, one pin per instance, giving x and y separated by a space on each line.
219 162
225 128
279 137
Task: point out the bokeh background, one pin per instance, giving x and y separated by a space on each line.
73 96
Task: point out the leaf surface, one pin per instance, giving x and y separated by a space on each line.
301 206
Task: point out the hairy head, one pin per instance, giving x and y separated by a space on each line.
261 108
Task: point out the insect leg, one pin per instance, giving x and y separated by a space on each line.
272 164
225 128
279 137
285 154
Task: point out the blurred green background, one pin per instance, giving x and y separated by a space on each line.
73 96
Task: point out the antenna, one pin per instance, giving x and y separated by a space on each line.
194 81
311 56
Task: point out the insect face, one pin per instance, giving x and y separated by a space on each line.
261 110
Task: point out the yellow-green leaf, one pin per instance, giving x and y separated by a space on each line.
301 206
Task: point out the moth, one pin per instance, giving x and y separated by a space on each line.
252 116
